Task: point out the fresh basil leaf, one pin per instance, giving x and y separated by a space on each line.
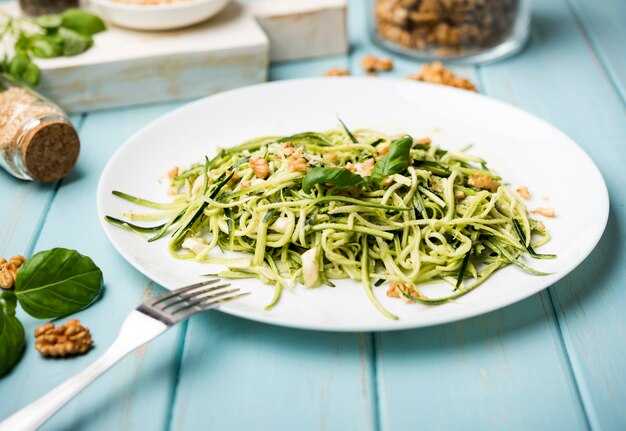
46 46
395 161
11 334
339 177
82 22
57 282
49 21
18 64
74 43
22 43
32 74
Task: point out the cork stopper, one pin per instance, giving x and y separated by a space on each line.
50 150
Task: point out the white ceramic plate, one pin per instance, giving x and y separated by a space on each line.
521 148
166 16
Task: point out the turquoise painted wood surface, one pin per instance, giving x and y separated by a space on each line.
553 361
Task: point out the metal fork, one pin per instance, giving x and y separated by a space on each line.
146 322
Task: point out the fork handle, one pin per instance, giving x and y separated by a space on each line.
136 331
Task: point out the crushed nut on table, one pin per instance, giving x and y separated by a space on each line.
437 73
9 270
337 72
69 339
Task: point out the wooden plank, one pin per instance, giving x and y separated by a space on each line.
559 79
126 67
139 384
24 206
239 375
588 301
606 32
488 372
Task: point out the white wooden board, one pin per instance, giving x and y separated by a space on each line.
126 67
299 29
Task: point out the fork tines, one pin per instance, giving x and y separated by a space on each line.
180 304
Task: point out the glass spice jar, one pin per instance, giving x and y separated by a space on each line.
43 7
37 140
469 31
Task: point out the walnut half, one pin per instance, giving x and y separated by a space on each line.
8 271
69 339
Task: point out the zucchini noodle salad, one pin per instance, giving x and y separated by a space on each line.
315 207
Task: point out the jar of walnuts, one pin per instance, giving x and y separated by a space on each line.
470 31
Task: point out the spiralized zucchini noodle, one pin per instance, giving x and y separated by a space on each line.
315 207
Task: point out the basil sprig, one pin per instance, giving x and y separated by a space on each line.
48 36
394 162
51 284
11 333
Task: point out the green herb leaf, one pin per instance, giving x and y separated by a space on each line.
57 282
82 22
46 46
32 74
74 43
11 334
395 161
18 64
339 177
23 69
49 22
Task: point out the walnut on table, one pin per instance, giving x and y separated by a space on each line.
337 72
437 73
69 339
9 270
371 63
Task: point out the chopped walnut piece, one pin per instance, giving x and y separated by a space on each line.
364 169
459 195
435 184
384 150
245 184
546 212
288 148
371 63
523 192
9 270
436 73
172 172
484 182
298 165
69 339
259 166
540 227
337 72
396 289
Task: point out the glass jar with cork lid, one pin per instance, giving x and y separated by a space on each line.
468 31
37 140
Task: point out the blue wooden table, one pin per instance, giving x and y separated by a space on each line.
555 361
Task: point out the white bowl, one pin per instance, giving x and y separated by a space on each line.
158 17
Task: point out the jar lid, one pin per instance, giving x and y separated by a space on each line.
50 150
